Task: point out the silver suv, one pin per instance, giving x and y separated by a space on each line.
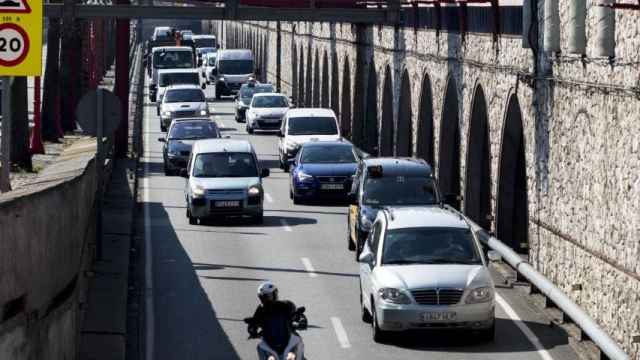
423 268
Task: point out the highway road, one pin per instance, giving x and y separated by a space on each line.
201 280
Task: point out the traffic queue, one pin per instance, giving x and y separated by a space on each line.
421 264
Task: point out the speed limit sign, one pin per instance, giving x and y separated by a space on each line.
14 44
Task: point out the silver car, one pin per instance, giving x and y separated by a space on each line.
423 268
182 101
223 178
266 112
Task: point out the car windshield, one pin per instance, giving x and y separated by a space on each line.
227 164
312 126
247 92
179 78
235 67
173 59
430 245
327 155
187 130
400 190
184 95
205 42
269 102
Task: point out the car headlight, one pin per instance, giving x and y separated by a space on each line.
221 78
203 112
303 176
197 191
365 223
480 295
394 296
254 191
166 113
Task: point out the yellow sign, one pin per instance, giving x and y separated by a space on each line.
21 37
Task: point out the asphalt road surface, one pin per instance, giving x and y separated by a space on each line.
202 279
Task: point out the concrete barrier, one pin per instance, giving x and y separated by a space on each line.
46 242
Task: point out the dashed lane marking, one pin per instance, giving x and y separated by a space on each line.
285 226
309 267
341 333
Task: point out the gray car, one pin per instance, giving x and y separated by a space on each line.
180 138
182 101
423 268
224 178
266 112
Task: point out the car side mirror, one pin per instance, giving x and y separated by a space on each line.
264 173
200 62
214 71
161 139
184 173
494 256
203 86
366 257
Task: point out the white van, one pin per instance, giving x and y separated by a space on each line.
168 57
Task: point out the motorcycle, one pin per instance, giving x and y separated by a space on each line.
294 350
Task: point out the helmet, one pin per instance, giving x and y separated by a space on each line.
267 291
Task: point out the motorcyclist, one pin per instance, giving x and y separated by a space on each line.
274 317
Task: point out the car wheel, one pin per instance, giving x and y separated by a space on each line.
167 172
285 166
487 335
249 129
297 200
281 163
365 316
192 220
259 219
218 96
290 194
379 336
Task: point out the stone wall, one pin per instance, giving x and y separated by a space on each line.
548 157
46 231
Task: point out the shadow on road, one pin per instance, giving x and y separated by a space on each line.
201 266
269 221
186 326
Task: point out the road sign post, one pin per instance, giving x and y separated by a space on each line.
21 37
5 184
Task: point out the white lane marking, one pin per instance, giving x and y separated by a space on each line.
341 333
525 330
268 197
285 225
148 273
309 267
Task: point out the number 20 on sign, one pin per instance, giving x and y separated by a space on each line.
21 37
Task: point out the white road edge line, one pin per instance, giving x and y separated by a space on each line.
148 273
341 333
268 197
544 354
285 225
309 267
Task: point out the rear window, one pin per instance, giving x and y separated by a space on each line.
179 78
206 42
312 126
194 130
184 95
270 102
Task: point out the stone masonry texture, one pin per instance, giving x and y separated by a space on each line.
579 129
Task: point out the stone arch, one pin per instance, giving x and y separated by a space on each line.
404 136
308 87
345 113
335 84
449 150
369 139
425 122
316 80
386 125
301 79
477 195
324 89
359 102
294 73
512 208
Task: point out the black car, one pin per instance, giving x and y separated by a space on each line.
180 137
381 182
243 99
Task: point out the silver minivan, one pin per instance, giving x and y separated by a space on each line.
233 68
224 178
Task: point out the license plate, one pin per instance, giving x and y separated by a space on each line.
226 204
438 316
332 186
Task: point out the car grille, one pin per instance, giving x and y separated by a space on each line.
437 296
184 113
332 179
264 124
225 192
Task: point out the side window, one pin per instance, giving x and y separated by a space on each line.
374 238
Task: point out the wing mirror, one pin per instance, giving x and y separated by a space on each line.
199 62
184 173
161 139
264 173
494 256
203 86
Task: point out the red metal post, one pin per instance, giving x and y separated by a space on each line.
35 142
122 83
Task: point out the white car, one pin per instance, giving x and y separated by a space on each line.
182 101
169 77
423 268
302 125
266 111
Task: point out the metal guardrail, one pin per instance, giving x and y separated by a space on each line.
588 325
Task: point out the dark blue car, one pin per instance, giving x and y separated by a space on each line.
323 170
